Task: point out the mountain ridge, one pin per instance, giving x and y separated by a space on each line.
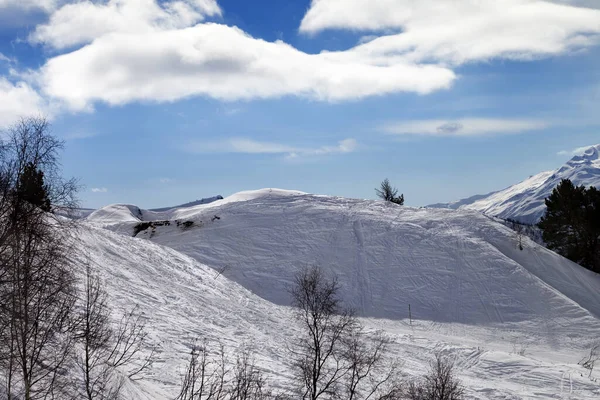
525 201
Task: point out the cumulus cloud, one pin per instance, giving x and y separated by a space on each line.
455 32
82 22
100 190
18 100
221 62
250 146
464 127
574 152
122 51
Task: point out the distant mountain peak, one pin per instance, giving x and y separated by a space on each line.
590 155
525 201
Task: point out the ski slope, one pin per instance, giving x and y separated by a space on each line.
525 201
517 322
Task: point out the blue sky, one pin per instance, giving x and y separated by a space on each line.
165 102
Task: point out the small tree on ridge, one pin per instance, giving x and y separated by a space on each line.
389 193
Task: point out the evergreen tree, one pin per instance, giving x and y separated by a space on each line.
571 224
398 200
31 187
389 193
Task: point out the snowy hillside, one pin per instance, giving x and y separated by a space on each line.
450 266
517 322
525 201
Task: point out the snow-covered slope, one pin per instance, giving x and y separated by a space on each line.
450 266
191 203
525 201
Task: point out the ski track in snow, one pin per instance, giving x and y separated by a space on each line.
517 322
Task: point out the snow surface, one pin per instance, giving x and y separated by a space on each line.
517 322
525 201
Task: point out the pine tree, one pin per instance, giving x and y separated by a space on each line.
389 193
571 224
31 187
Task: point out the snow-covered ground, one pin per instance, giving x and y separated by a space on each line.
516 321
525 200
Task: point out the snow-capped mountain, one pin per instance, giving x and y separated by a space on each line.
525 201
517 322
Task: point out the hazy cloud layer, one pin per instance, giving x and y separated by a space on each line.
250 146
464 127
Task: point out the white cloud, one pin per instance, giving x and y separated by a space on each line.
100 190
19 100
464 127
6 59
165 180
28 5
122 51
81 23
574 152
343 146
221 62
250 146
454 32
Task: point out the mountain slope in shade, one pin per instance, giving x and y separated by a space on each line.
525 201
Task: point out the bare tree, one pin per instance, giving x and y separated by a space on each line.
209 376
369 375
247 382
590 360
205 377
37 291
108 351
440 382
128 346
38 296
389 193
334 358
519 233
94 334
318 359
